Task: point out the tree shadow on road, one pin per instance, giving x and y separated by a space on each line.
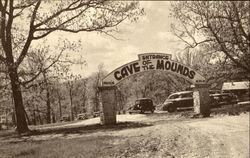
86 129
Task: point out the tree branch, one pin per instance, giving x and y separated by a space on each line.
43 69
30 36
68 8
239 21
224 49
9 25
50 30
20 6
3 59
3 27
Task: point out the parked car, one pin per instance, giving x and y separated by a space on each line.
65 118
82 116
223 99
185 100
142 105
96 114
178 100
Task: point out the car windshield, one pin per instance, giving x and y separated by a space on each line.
186 95
143 101
137 102
173 96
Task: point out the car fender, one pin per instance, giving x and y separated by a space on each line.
166 105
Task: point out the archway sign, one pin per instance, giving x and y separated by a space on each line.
150 62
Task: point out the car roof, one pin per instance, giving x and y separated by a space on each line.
144 99
220 94
182 92
82 114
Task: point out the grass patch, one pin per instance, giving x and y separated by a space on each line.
26 152
90 128
63 148
14 145
76 129
90 146
82 147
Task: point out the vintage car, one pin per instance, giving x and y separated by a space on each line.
82 116
65 118
96 114
185 100
178 100
142 105
219 99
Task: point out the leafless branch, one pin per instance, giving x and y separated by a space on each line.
30 35
68 8
23 6
42 70
224 49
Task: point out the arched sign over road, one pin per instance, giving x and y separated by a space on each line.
152 62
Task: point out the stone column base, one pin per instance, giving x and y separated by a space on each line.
201 100
108 105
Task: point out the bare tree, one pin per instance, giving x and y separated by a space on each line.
23 21
52 70
73 89
60 97
220 26
96 82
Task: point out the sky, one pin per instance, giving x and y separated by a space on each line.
151 33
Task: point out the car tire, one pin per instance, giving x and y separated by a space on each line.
171 109
165 108
216 104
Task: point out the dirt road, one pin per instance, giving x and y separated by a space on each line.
219 137
173 136
162 135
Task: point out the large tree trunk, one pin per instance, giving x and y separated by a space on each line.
21 123
53 117
97 101
60 104
27 117
48 114
34 117
39 116
71 106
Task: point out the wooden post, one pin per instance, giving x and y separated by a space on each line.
108 105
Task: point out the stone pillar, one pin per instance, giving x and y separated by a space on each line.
108 105
201 99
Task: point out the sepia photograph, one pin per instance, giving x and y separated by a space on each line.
124 79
